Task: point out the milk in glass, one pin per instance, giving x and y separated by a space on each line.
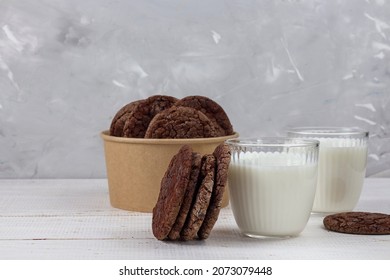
342 168
271 194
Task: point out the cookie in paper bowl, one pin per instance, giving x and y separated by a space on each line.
146 134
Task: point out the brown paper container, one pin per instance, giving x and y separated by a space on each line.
135 167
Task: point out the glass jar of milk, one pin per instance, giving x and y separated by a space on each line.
341 167
272 184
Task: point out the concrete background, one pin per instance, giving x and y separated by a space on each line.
66 67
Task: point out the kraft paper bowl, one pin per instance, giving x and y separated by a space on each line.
135 167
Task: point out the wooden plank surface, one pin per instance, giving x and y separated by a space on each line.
72 219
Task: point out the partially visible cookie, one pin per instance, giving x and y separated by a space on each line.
198 210
172 191
358 223
188 197
118 122
222 156
181 122
211 109
137 123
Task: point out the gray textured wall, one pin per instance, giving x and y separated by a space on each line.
66 67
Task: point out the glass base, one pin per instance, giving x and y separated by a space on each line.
329 212
269 236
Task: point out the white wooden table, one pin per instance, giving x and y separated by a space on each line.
72 219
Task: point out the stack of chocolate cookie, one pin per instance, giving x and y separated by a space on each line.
190 195
162 116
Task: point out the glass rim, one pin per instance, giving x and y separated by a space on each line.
289 142
328 131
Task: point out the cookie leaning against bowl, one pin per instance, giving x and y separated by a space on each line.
358 223
222 156
174 234
211 109
201 203
181 122
119 120
137 123
172 191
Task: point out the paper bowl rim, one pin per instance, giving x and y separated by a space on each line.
105 135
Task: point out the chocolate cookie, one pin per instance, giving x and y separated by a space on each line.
181 122
358 223
211 109
137 123
198 210
222 156
118 122
188 198
172 191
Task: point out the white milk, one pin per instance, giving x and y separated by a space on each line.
341 172
269 197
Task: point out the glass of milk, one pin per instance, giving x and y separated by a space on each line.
272 183
341 167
